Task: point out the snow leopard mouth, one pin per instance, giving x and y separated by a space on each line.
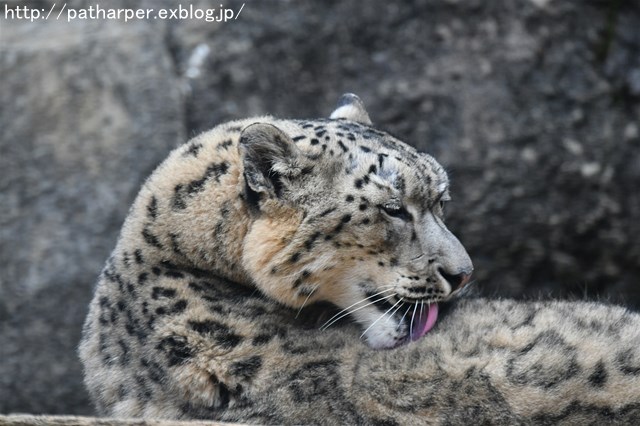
422 320
392 321
418 315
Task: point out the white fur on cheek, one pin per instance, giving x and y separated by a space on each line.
381 332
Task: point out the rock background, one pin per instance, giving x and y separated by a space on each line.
532 105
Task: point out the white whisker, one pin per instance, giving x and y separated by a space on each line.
413 317
405 313
379 318
399 303
343 313
307 299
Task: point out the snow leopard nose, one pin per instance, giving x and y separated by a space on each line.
456 281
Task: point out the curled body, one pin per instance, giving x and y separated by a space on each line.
211 304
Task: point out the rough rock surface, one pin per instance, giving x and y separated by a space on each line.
88 111
532 105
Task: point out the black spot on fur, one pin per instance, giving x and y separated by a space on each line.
174 274
306 170
224 145
182 191
364 149
313 378
315 141
399 184
158 292
246 368
309 243
155 372
124 352
326 212
143 391
338 228
346 218
358 183
526 367
306 291
224 396
343 146
599 376
362 207
138 256
298 138
125 259
349 198
216 170
151 239
220 332
168 265
175 246
176 349
628 363
295 257
123 392
193 150
261 339
373 169
381 159
179 306
178 202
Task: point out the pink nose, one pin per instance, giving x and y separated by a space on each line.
464 280
457 281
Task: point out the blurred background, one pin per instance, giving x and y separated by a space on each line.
533 106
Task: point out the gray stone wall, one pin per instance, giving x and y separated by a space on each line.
532 105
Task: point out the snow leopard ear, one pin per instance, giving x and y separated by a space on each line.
352 108
269 156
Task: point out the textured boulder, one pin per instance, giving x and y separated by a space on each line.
88 111
532 105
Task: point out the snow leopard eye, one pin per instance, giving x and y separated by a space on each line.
396 210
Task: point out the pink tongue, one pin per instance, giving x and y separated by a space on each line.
425 322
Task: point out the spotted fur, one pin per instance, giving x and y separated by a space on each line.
211 303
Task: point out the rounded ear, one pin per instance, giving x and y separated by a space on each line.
268 154
351 108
